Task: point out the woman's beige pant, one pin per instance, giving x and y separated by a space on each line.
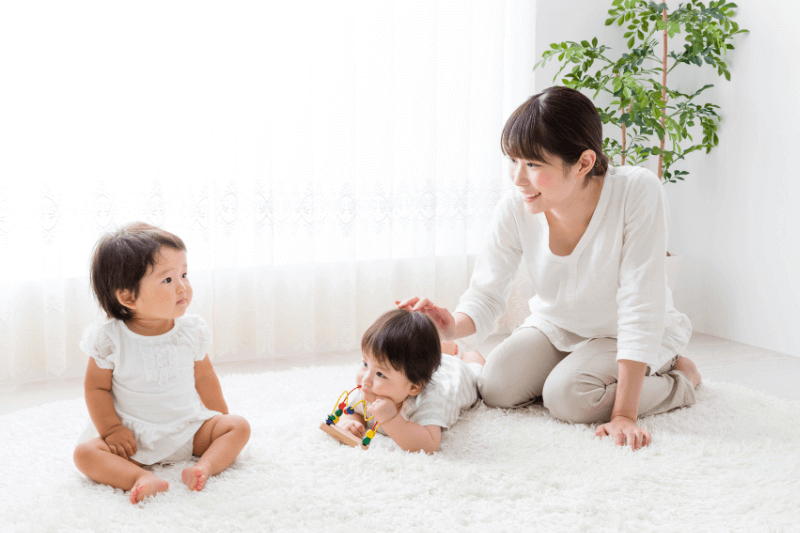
577 387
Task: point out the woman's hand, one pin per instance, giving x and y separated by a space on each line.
121 442
444 321
624 431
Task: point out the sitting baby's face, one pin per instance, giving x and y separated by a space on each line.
380 379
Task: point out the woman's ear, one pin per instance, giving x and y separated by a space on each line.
586 162
126 298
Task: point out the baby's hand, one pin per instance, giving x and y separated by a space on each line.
353 426
121 442
383 409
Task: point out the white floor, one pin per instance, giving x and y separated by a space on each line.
718 359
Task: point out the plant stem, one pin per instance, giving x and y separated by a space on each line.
663 96
624 136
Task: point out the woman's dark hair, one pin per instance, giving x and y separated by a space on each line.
558 121
408 341
120 261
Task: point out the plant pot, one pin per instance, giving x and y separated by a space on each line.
673 263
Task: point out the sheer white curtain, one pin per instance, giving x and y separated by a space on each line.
320 159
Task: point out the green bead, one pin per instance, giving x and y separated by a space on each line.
338 412
365 442
331 417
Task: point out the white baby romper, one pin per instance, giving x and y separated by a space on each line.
153 384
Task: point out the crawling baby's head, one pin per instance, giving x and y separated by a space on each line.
407 341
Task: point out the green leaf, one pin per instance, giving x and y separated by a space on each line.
610 21
594 41
630 43
585 44
554 46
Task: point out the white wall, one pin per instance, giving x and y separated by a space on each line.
735 220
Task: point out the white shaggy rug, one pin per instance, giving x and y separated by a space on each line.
730 463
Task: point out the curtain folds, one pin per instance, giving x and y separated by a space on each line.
319 159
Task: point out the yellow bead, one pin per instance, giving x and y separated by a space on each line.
370 434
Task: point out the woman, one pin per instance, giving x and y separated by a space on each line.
603 341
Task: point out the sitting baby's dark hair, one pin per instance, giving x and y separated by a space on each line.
408 341
121 260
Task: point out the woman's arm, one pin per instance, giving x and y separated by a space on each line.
465 326
496 265
208 387
490 284
622 427
641 304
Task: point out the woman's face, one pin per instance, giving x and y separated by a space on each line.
545 185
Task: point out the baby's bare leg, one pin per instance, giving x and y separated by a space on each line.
473 357
94 459
218 441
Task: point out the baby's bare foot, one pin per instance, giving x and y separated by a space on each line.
450 347
194 477
147 484
473 357
689 369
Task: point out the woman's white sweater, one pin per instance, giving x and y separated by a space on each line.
613 284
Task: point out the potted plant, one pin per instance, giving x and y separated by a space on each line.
653 118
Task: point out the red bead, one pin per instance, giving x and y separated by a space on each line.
342 405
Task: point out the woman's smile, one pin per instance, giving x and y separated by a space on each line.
530 197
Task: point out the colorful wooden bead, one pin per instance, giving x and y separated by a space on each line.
365 442
370 434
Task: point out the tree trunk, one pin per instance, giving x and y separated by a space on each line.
663 98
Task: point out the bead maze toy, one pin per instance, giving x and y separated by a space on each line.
345 437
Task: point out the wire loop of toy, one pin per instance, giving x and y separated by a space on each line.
342 407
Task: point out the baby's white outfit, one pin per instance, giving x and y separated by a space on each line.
153 384
452 387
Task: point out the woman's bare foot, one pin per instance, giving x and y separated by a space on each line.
147 484
195 477
473 357
689 369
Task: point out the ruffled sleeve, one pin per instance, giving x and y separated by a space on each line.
98 344
199 334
